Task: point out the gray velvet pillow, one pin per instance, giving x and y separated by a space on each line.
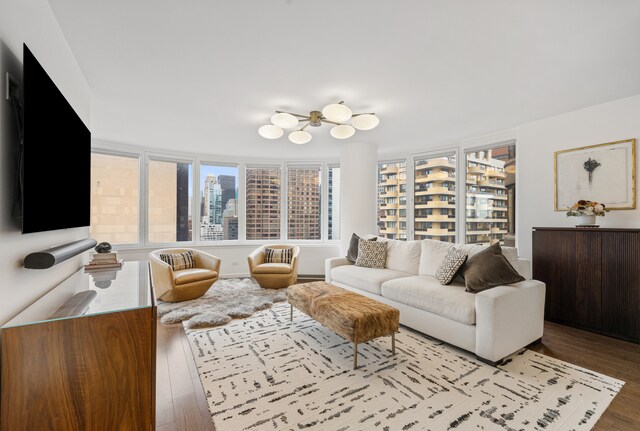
352 253
487 269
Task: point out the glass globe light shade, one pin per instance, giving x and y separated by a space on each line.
269 131
365 121
284 120
342 131
336 112
299 137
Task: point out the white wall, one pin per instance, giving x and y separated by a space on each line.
234 258
32 22
536 143
358 186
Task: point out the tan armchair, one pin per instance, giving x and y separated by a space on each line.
176 286
274 275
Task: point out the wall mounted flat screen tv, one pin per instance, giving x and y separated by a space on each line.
56 164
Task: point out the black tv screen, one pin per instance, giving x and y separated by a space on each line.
57 156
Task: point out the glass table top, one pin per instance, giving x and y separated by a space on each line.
88 293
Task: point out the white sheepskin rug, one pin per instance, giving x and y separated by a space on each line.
227 299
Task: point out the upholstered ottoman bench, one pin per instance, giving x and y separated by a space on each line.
355 317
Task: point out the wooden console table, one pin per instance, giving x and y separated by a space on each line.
89 367
592 277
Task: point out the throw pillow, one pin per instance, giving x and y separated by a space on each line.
450 266
371 254
352 253
488 268
179 261
278 255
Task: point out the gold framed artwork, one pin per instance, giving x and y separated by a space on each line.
604 173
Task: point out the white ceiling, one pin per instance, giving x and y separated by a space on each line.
203 75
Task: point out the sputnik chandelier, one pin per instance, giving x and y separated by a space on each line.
336 113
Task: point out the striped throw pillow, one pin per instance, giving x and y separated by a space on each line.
278 255
179 261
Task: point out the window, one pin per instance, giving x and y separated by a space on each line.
334 202
169 201
491 193
263 203
434 198
304 218
392 195
115 196
218 202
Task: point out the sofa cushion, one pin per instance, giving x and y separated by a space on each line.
403 255
488 268
426 293
371 254
450 266
352 253
369 279
431 256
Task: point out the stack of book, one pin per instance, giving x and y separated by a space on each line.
104 261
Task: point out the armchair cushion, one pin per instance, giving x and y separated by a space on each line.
192 275
179 261
278 255
272 268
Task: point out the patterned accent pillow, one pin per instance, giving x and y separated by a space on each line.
179 261
278 255
451 264
372 254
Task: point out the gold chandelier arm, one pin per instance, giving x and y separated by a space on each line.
324 120
305 126
363 113
306 117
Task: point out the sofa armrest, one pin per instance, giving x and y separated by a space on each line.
509 318
524 268
331 263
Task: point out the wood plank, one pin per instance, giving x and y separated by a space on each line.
164 397
178 365
187 413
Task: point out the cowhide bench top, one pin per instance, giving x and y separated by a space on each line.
355 317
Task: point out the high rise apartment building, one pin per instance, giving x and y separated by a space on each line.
303 203
262 203
487 205
435 199
392 200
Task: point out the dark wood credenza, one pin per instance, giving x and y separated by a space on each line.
592 277
83 356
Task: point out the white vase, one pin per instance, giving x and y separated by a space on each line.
586 220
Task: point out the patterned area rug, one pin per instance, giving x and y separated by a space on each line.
227 299
267 373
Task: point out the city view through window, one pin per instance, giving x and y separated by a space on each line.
218 202
490 197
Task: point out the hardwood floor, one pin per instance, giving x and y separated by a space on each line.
182 406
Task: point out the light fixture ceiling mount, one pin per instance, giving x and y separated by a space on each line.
335 113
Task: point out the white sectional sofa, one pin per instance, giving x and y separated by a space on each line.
492 324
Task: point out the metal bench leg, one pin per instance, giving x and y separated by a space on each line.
355 355
393 343
291 316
